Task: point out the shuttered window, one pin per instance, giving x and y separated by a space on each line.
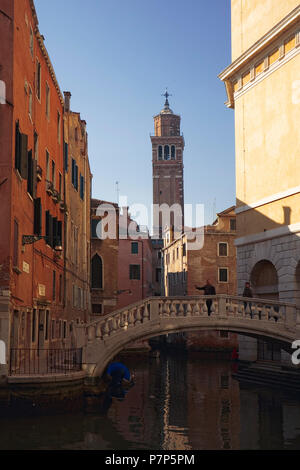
81 187
37 229
97 272
66 155
16 243
21 156
134 271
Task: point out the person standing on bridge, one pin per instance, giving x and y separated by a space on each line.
247 293
208 290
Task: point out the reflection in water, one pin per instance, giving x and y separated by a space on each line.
176 403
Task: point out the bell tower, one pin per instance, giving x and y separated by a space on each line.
167 162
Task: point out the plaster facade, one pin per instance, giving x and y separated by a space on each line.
263 87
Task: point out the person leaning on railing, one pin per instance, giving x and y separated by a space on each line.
208 290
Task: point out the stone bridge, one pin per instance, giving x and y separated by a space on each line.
105 337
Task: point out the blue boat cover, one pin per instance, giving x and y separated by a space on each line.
117 367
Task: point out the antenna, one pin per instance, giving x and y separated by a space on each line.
118 191
214 209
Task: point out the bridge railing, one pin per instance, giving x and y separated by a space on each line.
220 307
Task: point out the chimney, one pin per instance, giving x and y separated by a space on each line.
67 95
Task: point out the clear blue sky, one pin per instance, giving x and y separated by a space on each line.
116 57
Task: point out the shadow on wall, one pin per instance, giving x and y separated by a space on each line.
268 253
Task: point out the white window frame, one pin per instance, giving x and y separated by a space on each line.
227 269
227 249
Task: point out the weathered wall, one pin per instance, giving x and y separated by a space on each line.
251 19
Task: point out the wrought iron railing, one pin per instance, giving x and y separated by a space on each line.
24 361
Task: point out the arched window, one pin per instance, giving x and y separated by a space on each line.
159 152
97 272
167 152
173 152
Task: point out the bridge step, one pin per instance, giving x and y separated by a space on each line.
286 380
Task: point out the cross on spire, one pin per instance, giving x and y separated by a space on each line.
166 94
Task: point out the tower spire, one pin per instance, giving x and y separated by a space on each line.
167 105
166 94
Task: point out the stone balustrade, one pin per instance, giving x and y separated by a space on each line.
106 336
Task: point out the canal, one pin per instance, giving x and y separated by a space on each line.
177 402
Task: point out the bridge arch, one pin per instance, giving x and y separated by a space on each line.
107 336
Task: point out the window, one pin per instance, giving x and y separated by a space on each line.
37 225
97 272
53 173
74 295
223 274
97 309
54 285
159 152
134 248
233 224
36 146
184 249
177 252
58 127
21 157
47 166
158 275
168 258
96 228
223 249
16 243
66 152
81 187
30 172
173 152
31 41
52 329
74 174
166 152
33 326
30 102
47 325
75 245
65 330
60 288
134 271
47 100
38 79
60 184
173 255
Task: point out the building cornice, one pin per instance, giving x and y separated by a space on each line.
257 47
228 75
44 51
268 199
268 235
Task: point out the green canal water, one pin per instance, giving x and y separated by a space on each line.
176 403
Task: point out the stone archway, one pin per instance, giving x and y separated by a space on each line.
264 280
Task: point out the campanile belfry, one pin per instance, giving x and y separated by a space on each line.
167 160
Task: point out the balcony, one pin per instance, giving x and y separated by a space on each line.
49 187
